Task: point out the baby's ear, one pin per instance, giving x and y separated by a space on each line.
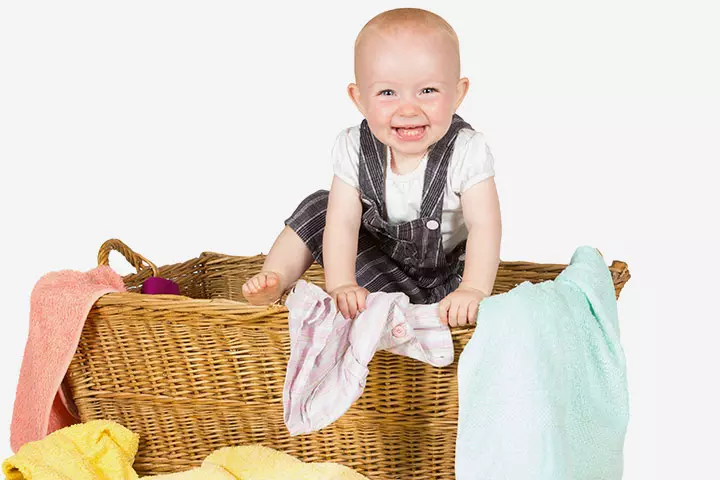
354 93
462 88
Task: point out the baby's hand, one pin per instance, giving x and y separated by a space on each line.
461 306
350 299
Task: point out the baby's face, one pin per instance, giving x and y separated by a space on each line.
408 88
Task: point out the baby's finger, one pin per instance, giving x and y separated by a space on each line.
452 314
473 309
352 304
462 312
362 296
343 304
443 311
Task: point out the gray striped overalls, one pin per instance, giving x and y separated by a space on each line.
407 257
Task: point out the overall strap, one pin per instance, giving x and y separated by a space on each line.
372 164
436 171
371 174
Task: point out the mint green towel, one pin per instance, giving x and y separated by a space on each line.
542 382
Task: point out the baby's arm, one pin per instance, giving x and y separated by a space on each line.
481 212
340 243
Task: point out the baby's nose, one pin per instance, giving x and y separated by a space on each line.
409 109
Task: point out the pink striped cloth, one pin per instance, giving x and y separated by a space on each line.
329 355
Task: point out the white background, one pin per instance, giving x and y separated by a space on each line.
181 127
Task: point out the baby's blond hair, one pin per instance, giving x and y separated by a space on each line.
406 18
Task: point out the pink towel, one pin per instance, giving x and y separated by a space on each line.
59 305
329 354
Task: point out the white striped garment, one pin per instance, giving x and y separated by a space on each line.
329 355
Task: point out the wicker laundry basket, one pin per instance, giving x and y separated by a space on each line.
205 370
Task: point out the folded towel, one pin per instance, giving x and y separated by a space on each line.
89 451
329 354
105 450
208 471
542 382
255 462
59 305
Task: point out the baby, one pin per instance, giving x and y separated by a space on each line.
413 206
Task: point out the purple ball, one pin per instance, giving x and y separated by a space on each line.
160 286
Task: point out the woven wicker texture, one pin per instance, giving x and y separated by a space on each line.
205 370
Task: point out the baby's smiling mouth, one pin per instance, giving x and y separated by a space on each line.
410 132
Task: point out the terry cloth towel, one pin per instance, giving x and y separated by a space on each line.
59 305
94 450
329 354
255 462
542 382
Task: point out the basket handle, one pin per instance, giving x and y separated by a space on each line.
619 271
135 259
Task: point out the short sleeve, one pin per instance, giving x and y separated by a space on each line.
346 155
473 161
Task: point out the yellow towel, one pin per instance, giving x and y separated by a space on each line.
105 450
206 472
255 462
96 450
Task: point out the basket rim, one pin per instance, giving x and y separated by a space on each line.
223 307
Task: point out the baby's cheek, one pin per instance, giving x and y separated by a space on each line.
382 113
440 110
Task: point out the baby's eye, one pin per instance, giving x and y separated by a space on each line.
385 92
429 90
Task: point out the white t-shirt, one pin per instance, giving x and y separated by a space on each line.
471 163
